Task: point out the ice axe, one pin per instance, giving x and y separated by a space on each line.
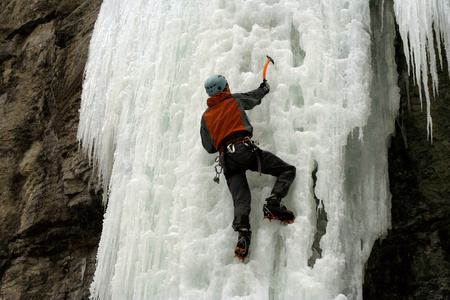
269 59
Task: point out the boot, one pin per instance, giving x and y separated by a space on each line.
243 244
275 210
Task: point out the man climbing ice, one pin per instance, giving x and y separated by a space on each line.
226 128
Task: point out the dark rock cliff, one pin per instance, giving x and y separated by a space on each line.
50 204
50 200
413 261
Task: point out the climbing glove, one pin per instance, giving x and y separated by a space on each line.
265 86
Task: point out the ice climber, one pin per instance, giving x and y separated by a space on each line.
226 128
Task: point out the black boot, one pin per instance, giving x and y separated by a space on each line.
274 210
243 244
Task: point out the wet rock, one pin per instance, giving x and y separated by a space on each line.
413 261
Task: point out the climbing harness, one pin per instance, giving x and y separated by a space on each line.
231 148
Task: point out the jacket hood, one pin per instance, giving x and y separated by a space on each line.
216 99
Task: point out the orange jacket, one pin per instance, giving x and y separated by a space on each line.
226 117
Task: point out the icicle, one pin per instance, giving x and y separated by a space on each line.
422 23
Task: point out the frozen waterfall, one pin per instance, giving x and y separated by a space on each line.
167 227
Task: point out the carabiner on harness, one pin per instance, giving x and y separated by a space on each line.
247 141
218 168
231 148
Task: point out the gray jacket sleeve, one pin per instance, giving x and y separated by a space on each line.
250 99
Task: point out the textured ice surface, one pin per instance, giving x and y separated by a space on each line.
167 229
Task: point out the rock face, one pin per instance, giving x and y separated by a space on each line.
413 262
50 202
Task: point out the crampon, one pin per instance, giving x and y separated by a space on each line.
241 252
284 222
279 213
243 245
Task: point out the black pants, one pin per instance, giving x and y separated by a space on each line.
246 158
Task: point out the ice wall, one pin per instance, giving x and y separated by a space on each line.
167 228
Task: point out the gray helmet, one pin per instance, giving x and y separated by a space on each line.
215 84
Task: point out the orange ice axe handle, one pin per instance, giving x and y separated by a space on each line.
269 59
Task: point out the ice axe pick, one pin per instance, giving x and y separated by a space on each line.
269 59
